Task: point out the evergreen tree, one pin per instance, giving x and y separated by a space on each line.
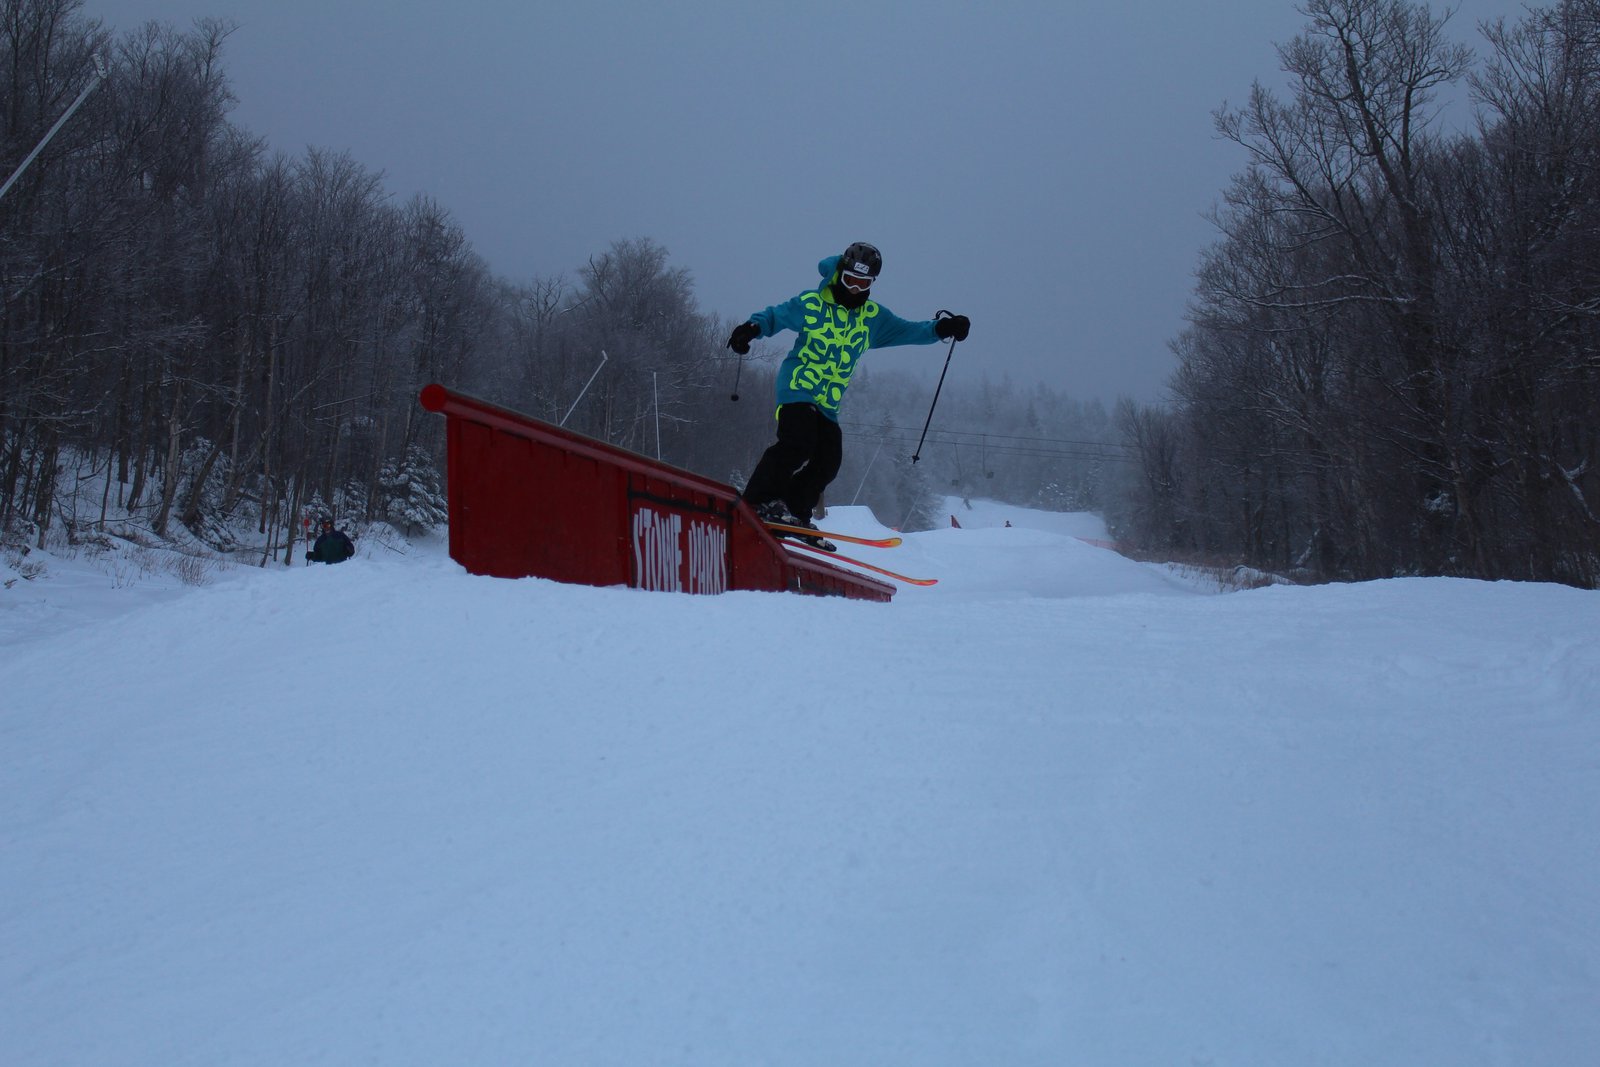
415 502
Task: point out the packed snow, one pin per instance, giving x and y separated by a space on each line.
1061 808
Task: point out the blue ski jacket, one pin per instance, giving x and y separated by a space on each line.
832 339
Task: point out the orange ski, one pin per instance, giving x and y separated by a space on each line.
802 531
896 575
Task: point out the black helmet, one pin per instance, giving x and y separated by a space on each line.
861 258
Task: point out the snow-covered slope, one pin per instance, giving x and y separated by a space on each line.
1060 808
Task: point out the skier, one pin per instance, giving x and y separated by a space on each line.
333 546
836 322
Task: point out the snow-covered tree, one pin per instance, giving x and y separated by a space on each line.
415 500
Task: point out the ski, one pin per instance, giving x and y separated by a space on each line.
802 531
896 575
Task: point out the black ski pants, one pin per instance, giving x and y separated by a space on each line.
799 466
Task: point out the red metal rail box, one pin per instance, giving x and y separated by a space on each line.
530 499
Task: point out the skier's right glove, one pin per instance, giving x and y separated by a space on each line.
741 337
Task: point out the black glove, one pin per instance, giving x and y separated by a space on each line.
952 326
741 337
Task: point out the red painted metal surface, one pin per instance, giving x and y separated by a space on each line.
530 499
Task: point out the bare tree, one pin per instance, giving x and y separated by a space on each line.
1393 346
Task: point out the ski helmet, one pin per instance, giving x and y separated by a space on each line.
862 259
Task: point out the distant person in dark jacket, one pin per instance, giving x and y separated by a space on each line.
333 546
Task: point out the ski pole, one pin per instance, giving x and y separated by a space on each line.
736 373
917 455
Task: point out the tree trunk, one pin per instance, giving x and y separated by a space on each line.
173 472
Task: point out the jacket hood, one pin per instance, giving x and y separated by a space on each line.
828 268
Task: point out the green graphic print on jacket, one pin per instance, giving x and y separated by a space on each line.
832 339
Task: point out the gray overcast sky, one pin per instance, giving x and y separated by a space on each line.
1044 168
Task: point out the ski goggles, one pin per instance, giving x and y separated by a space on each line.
856 283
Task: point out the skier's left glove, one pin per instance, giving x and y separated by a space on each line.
741 337
952 326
